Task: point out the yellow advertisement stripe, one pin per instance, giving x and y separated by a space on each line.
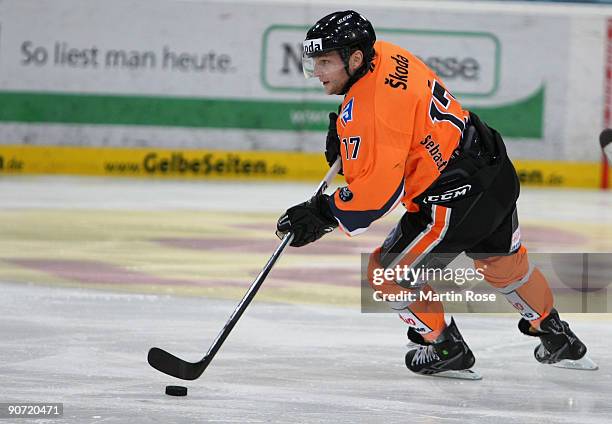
219 164
559 174
153 162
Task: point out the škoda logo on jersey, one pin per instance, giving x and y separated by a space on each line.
311 46
398 79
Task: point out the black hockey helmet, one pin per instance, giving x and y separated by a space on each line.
344 31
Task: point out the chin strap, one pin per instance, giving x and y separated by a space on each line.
360 72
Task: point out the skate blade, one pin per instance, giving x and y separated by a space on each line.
584 363
461 374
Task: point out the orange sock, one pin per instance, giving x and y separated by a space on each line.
523 285
426 317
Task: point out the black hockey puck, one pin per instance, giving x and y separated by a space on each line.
605 138
176 390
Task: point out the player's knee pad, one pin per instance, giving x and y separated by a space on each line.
383 282
523 285
499 271
394 281
378 278
427 317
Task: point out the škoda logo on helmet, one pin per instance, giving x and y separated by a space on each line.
311 46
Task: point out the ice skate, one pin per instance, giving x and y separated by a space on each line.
559 345
449 356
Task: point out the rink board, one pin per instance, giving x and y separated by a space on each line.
232 165
210 74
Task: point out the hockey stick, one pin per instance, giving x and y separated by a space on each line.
169 364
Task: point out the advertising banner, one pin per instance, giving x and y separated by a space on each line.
153 162
212 74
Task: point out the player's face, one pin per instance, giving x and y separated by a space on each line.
329 68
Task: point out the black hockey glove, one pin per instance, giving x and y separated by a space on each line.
308 221
332 143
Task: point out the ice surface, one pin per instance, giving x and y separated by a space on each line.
77 315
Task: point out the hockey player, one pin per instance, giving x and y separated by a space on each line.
404 138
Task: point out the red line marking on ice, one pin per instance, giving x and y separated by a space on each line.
95 272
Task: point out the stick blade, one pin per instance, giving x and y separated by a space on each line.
176 367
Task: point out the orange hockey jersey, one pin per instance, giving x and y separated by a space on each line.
398 127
